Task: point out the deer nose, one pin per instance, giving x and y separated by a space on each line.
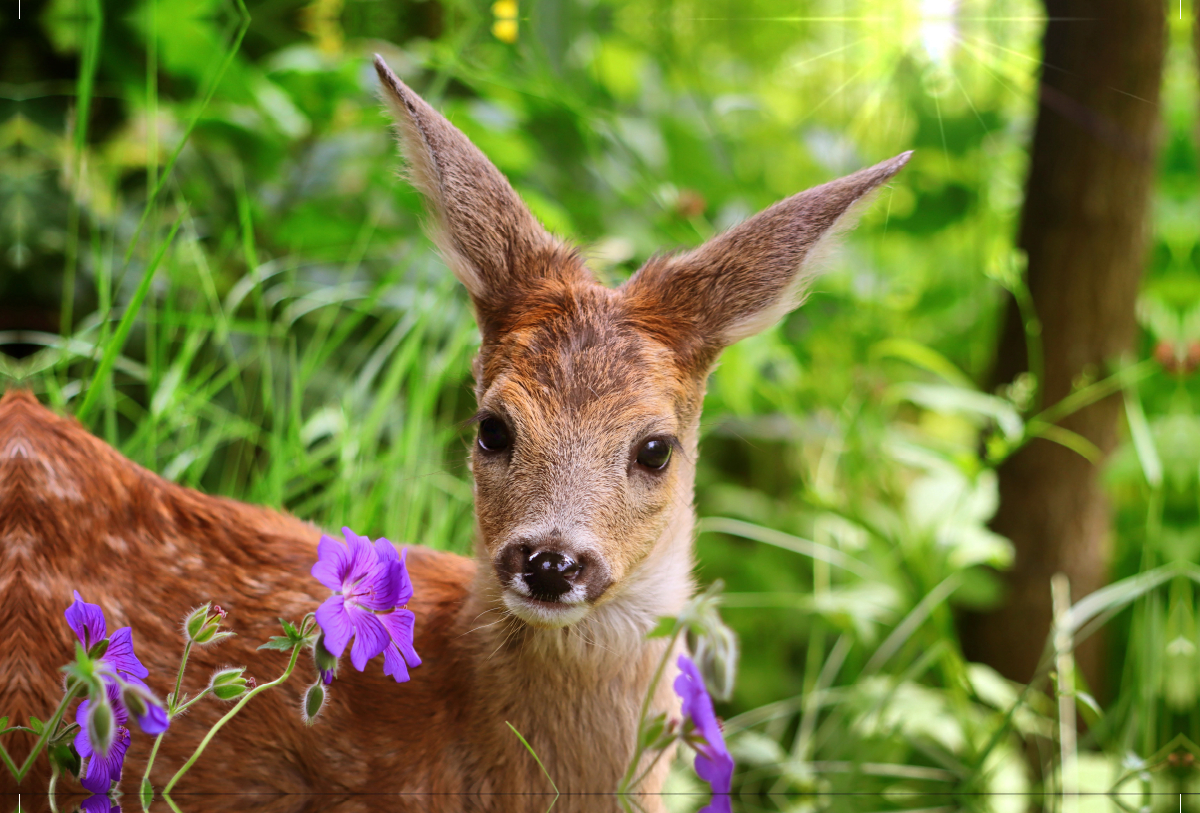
550 574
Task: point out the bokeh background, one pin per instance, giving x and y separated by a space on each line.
207 256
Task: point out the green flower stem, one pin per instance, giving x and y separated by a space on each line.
173 700
153 754
627 781
191 702
50 789
233 711
48 731
173 707
642 777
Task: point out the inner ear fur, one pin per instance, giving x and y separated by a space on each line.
744 280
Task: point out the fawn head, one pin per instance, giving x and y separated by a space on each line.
589 397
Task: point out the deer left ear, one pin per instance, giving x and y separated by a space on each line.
490 240
745 280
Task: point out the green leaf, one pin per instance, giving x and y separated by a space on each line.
66 758
3 722
37 725
652 729
664 628
280 643
289 629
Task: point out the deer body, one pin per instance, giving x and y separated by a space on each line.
589 409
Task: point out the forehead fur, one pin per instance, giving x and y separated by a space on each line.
576 343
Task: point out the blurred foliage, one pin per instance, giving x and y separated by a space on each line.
207 256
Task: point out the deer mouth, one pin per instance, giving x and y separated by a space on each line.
544 612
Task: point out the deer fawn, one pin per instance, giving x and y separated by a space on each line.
589 403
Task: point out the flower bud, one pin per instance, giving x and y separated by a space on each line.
151 717
100 724
716 655
230 683
202 626
314 701
714 646
325 661
98 649
133 701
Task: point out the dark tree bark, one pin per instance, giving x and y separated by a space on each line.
1085 230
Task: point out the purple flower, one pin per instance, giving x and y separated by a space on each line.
713 763
122 676
103 769
87 622
368 582
99 803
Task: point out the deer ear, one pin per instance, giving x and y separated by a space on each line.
747 278
488 237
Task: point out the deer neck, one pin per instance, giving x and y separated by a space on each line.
582 685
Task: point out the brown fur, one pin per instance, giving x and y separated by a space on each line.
581 374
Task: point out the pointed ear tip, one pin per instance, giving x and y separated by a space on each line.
894 165
387 77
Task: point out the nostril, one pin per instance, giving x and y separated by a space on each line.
549 574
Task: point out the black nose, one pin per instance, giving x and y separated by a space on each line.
549 574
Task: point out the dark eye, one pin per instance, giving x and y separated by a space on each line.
654 454
493 435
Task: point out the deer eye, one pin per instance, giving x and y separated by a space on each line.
493 435
654 454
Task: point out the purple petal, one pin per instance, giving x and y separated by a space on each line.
120 654
716 769
718 804
713 762
83 744
382 589
155 721
386 550
86 621
335 623
375 585
327 676
403 582
99 803
120 716
364 563
370 638
393 664
399 625
332 563
103 771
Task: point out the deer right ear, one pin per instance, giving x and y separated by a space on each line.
490 240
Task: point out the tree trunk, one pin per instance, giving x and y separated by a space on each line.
1084 228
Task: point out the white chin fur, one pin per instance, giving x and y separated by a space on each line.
543 614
